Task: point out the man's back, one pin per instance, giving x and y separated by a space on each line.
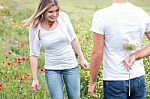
121 24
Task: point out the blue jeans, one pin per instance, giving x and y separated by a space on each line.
120 89
71 79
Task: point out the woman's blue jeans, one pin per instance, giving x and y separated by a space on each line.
120 89
71 79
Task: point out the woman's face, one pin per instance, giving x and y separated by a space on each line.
51 14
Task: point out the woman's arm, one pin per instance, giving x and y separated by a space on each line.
76 46
34 65
34 54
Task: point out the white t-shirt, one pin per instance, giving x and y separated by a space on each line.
59 54
120 24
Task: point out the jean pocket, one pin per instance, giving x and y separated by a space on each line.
114 86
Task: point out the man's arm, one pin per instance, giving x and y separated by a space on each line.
144 52
96 58
129 61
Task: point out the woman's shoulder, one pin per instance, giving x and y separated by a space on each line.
32 28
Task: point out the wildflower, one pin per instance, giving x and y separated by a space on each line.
27 74
1 88
1 84
19 62
23 58
21 45
17 75
6 76
27 59
9 52
24 77
9 63
42 69
4 62
15 59
19 59
6 57
16 66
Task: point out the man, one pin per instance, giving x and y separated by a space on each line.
117 33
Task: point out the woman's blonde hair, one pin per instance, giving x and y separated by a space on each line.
43 5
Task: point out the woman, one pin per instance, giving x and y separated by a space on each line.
53 30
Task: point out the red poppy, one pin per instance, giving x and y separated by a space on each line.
23 58
4 63
24 77
15 59
42 69
17 75
6 57
21 45
1 84
6 76
9 52
19 62
27 74
27 59
9 63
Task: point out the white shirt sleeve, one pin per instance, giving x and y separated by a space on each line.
146 19
97 23
70 28
34 43
148 25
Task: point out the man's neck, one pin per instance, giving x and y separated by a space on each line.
120 1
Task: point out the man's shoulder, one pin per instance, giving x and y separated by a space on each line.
102 11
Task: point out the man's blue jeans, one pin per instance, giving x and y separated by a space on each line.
71 79
120 89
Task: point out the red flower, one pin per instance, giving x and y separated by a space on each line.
16 66
23 58
9 63
27 59
6 76
21 45
19 62
9 52
6 57
15 59
42 69
4 63
23 48
24 77
27 74
17 75
1 84
1 88
19 59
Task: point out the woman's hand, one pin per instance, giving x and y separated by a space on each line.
35 85
85 64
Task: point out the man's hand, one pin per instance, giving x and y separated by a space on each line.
92 90
129 61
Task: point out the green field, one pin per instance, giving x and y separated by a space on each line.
15 72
